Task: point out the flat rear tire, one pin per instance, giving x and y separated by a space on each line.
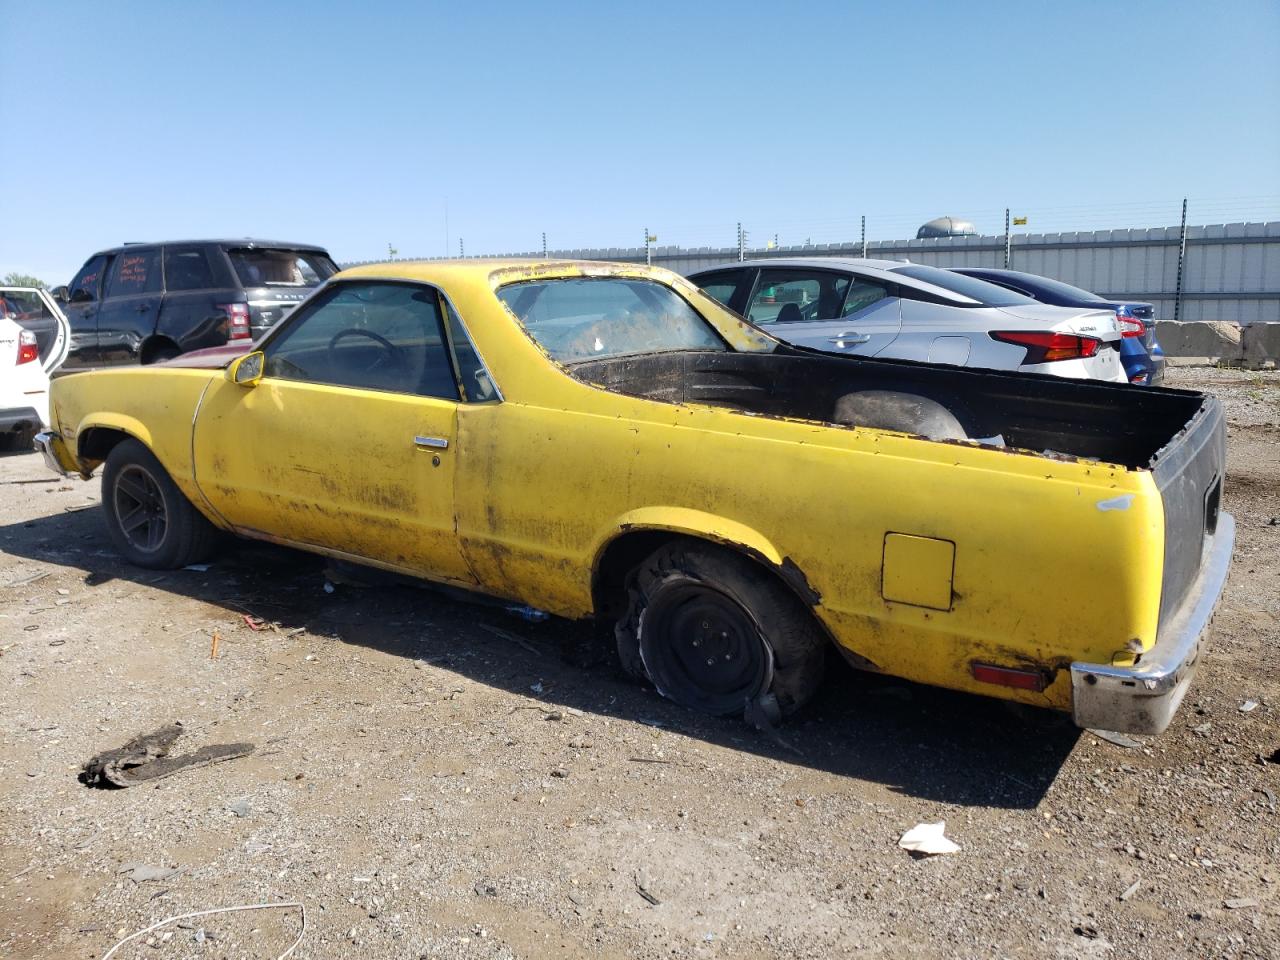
715 631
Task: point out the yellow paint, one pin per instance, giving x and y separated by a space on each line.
532 490
917 570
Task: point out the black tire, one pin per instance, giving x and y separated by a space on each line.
162 353
150 521
752 636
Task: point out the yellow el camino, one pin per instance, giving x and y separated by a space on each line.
604 440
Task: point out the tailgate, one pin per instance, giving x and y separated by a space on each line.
1188 471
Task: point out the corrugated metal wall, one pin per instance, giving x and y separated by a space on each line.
1232 271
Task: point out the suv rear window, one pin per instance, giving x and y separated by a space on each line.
281 268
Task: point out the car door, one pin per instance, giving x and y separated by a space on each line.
348 441
83 298
130 305
36 311
833 311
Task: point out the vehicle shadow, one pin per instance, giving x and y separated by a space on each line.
918 741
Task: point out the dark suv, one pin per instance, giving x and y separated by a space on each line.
147 302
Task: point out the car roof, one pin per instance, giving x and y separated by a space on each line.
883 269
495 270
240 242
817 263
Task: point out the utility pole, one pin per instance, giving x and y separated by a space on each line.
1006 238
462 250
864 237
544 244
742 243
1182 256
648 253
446 226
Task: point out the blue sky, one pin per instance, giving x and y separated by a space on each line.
355 125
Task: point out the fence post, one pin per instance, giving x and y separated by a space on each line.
1006 238
1182 256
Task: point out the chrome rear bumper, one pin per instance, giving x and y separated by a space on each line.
1144 698
44 443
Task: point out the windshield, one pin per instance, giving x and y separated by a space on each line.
281 268
577 319
987 294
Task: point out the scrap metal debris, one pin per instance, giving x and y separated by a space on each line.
146 758
290 905
1119 739
144 872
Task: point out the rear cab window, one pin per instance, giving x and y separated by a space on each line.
256 267
577 319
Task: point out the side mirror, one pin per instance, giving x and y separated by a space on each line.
247 370
61 294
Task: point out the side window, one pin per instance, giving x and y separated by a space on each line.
88 282
373 336
796 296
134 272
476 381
721 286
862 294
187 268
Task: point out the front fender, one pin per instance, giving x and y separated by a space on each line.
112 421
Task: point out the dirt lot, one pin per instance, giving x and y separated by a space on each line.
432 779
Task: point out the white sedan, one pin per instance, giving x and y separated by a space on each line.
34 339
908 311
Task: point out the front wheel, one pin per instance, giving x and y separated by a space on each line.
714 632
149 519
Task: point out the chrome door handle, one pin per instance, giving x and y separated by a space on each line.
431 443
853 337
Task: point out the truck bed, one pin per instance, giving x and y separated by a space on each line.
1177 435
1034 414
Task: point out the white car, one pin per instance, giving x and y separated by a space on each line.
908 311
34 339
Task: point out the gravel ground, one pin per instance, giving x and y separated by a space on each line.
433 779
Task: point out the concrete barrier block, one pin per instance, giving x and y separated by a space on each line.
1210 338
1260 344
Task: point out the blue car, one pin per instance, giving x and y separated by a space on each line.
1140 354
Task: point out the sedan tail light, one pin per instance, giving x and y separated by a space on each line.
1130 326
1045 347
237 320
28 349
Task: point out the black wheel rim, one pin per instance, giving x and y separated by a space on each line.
702 650
140 509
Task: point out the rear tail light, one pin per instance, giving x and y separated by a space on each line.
1130 326
27 347
237 320
1045 347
